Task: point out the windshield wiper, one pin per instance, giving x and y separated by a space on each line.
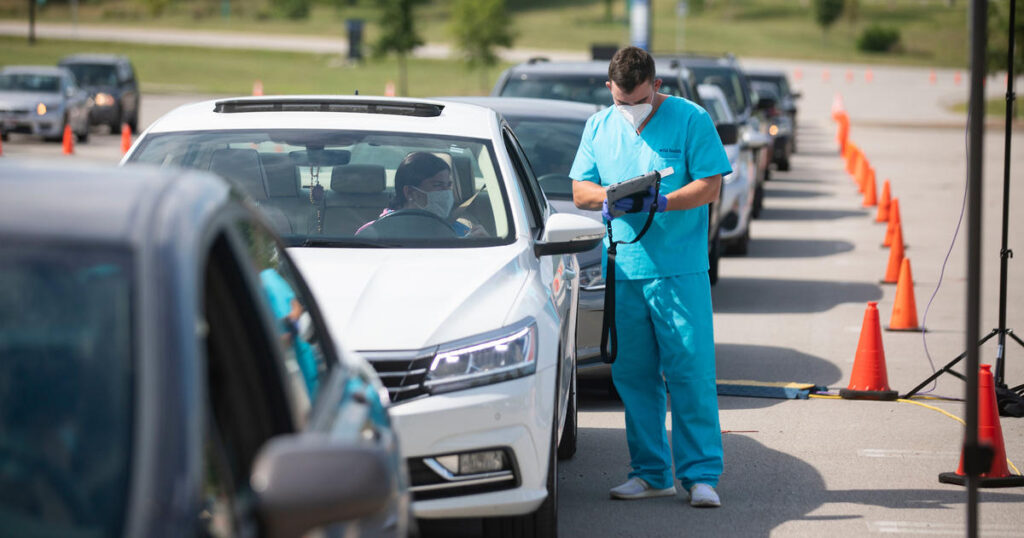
338 243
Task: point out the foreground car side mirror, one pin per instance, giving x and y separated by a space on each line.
729 133
565 233
306 481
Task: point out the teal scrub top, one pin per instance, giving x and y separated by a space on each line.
680 134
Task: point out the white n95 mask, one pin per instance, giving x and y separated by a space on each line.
635 114
439 202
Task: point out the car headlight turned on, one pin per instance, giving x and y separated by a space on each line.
592 277
492 358
773 130
104 99
41 109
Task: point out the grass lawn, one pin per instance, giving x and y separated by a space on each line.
994 108
931 32
163 69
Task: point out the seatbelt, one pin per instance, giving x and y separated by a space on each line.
636 188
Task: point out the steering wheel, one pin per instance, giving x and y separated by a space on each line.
30 465
410 224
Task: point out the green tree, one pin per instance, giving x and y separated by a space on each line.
398 35
292 9
826 12
480 26
999 40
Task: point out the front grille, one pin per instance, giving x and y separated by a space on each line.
402 373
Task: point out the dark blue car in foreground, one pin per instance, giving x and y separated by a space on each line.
164 370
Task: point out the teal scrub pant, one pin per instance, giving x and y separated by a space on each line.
665 329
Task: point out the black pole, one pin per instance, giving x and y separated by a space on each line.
1005 253
975 156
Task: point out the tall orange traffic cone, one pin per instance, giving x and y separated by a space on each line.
956 78
870 194
894 222
892 272
869 380
824 76
932 78
837 106
883 204
69 141
257 87
868 76
126 138
851 157
904 308
989 433
389 89
798 74
859 170
849 76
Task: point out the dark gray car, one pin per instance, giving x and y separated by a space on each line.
150 384
112 85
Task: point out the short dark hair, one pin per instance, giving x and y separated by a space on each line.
415 168
630 67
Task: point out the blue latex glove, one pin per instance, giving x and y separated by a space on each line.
650 200
624 205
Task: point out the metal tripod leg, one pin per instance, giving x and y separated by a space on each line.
948 367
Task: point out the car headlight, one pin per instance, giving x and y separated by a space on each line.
104 99
592 277
41 109
486 359
773 130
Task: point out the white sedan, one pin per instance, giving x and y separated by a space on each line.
431 249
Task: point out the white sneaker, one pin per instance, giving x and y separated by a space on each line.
638 488
703 495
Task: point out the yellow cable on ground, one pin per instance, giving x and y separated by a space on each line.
926 406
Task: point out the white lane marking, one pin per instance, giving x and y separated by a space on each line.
895 453
943 529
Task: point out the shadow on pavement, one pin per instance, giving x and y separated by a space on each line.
789 213
797 248
756 493
771 295
747 362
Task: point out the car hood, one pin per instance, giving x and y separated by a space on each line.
27 99
406 299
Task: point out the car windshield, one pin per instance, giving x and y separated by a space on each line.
65 389
551 146
778 84
28 82
728 79
337 188
583 89
94 74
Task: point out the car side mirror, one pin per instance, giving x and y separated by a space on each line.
729 133
307 481
565 233
795 94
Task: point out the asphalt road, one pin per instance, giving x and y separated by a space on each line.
791 311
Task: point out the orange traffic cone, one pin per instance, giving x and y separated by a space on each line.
257 88
798 74
389 89
849 76
869 380
904 308
989 433
883 204
859 170
69 141
126 138
894 222
868 76
851 158
870 193
824 76
837 106
892 272
932 78
956 78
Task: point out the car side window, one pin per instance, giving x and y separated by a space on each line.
304 357
535 201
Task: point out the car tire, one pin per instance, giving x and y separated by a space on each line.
741 245
4 137
567 444
543 522
83 137
713 258
115 126
755 208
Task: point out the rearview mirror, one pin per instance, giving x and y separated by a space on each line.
729 133
565 233
308 481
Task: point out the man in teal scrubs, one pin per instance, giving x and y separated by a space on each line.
663 295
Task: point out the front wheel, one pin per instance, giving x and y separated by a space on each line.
567 444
